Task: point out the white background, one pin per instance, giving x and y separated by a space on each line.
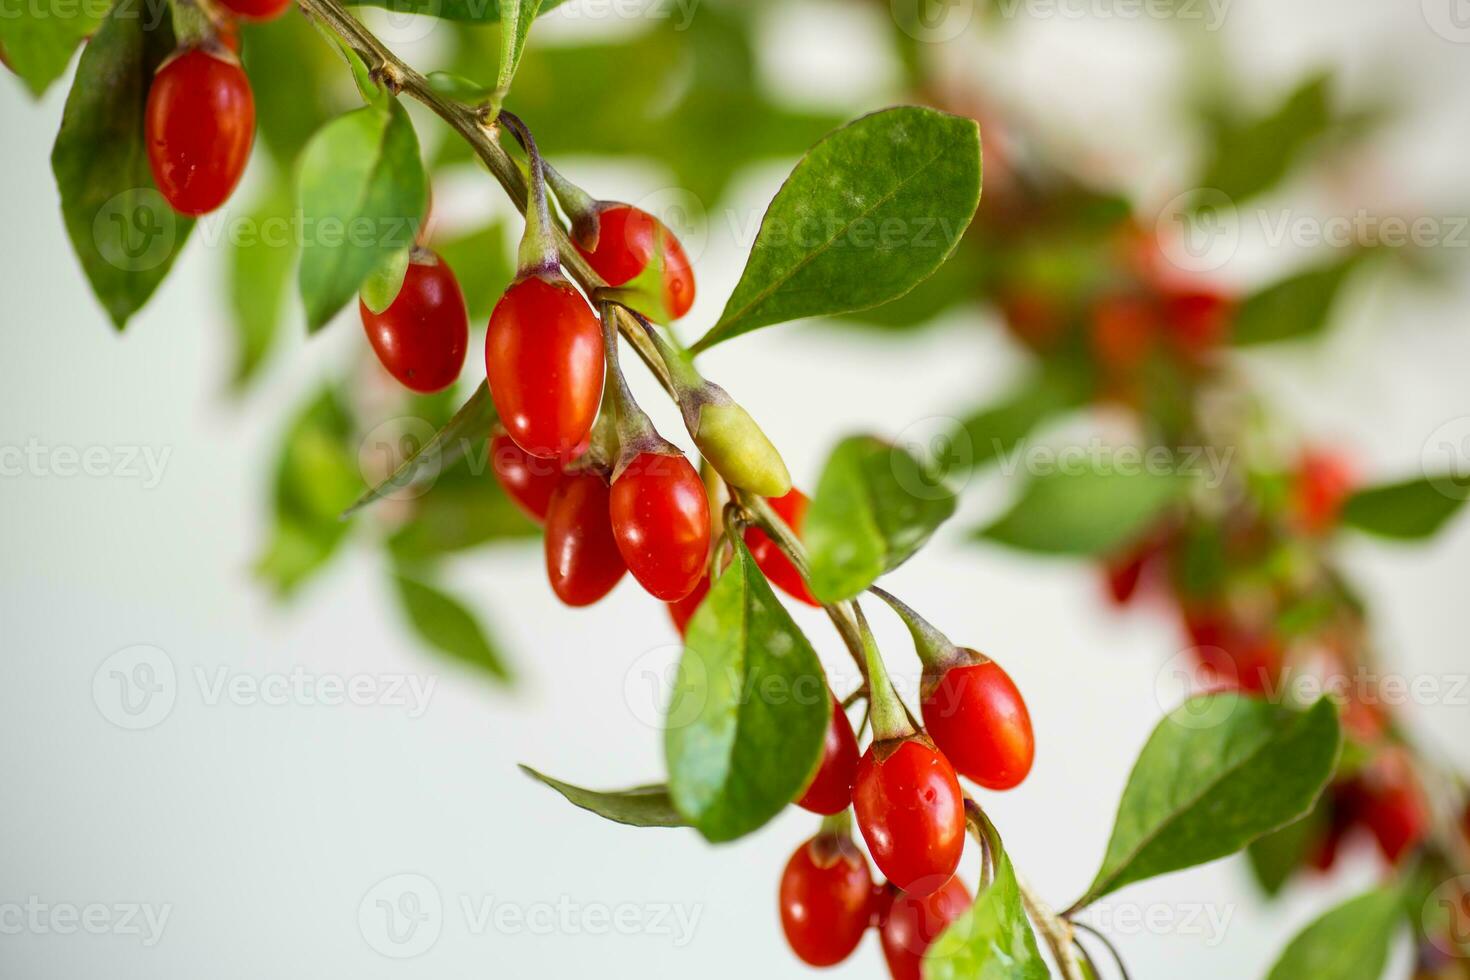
263 828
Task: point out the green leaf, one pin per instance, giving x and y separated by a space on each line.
1350 942
516 17
382 286
123 231
1252 155
258 275
996 430
992 940
465 508
874 507
749 709
1276 856
469 428
483 265
296 81
1408 511
446 625
642 806
315 478
869 212
362 192
1218 772
447 83
1088 512
1296 307
39 37
475 11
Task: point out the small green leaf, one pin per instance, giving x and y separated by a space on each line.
868 213
1296 307
1218 772
382 286
447 626
1408 511
1252 155
39 37
874 507
642 806
362 192
465 508
470 427
749 709
123 231
453 86
258 274
1350 942
474 11
516 17
996 430
992 940
1089 512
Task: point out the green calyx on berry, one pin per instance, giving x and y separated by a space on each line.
582 209
632 431
935 650
890 719
537 255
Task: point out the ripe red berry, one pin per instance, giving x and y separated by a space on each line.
1122 333
1322 484
528 480
256 9
830 790
979 721
683 610
1196 321
626 240
660 517
1393 807
543 358
199 126
911 923
582 559
826 894
422 336
911 812
778 569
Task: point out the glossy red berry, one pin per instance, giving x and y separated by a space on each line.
626 240
830 790
911 923
681 611
199 126
528 480
826 893
256 9
778 569
911 812
422 336
979 720
1321 486
1196 321
582 559
660 517
543 358
1393 807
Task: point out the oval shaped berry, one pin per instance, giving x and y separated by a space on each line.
627 239
660 518
582 559
911 923
681 611
256 9
825 897
528 480
778 569
422 336
199 126
979 720
911 812
543 359
830 790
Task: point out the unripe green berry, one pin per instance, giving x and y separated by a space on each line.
738 450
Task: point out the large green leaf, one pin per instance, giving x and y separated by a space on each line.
464 509
1298 306
123 231
749 710
258 275
1350 942
39 36
875 506
1086 512
362 192
446 625
475 11
869 212
1218 772
1276 856
992 940
297 81
1251 155
641 806
1408 511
